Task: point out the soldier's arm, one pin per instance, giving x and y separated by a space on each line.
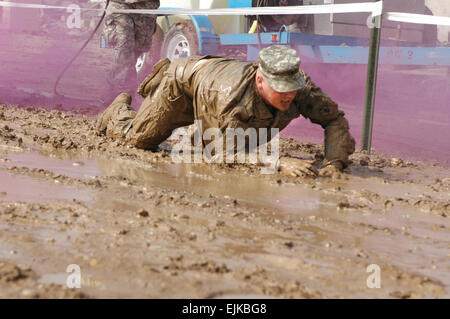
321 109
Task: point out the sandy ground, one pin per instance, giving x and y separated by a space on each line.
140 226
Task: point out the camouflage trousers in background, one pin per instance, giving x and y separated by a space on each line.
129 35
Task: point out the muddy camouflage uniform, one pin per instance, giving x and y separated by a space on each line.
222 93
130 35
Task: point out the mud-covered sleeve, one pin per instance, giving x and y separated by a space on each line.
151 82
320 109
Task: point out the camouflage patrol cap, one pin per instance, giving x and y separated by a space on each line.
280 66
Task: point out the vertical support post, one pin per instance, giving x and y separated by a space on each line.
371 84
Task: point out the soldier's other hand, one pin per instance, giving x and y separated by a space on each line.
330 171
297 167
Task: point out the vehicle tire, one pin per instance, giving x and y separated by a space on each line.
180 41
146 61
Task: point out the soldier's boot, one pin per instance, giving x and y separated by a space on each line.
119 110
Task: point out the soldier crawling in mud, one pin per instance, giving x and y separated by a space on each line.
130 35
227 93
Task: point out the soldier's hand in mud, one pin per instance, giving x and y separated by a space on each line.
297 167
332 170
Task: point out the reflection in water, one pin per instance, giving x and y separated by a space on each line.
204 180
71 167
410 240
26 189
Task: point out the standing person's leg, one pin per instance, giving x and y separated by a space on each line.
145 27
120 32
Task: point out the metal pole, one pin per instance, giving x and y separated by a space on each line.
371 84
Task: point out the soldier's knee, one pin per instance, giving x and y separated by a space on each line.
123 98
145 144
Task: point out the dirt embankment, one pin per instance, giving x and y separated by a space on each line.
140 226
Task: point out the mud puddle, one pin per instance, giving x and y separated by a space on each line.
205 181
73 167
29 189
318 226
26 189
300 200
198 179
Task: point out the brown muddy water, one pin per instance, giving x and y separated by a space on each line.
335 225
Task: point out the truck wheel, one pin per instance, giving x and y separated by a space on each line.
180 41
147 60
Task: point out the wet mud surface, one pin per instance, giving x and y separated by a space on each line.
139 225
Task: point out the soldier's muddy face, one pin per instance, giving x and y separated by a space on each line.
279 100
